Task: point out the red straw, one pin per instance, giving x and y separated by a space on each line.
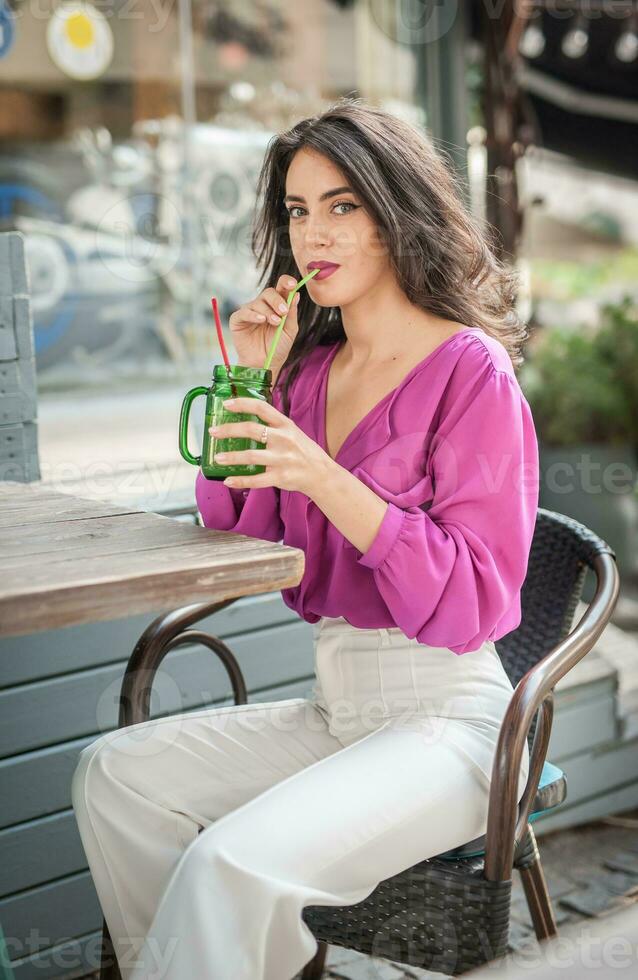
220 337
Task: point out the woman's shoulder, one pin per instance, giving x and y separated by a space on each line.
480 360
462 365
472 374
483 353
481 388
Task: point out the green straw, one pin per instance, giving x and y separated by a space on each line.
291 296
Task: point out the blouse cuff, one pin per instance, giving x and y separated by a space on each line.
385 537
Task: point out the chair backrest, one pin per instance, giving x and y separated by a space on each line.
562 550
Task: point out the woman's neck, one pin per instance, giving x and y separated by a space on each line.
383 327
417 335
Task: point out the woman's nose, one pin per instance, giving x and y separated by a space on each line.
317 233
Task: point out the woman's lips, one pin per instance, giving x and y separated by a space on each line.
324 273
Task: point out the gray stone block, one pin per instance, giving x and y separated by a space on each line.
593 900
13 271
18 391
21 471
16 328
620 883
626 861
18 452
8 340
23 326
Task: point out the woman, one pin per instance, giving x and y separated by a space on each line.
401 457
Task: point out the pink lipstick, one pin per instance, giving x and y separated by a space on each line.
327 268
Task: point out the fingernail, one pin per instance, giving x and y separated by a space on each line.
228 402
283 308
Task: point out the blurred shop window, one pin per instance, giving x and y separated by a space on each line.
126 208
135 190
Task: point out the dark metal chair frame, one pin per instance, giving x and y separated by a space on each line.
448 914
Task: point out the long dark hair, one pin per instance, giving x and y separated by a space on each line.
440 255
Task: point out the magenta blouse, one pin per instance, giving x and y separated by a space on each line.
453 451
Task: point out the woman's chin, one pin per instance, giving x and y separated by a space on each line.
323 294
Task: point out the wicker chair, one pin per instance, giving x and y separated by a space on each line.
450 913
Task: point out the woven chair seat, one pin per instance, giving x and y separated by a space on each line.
440 915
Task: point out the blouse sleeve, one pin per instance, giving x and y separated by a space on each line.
253 511
449 574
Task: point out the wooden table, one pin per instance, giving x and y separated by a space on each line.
65 560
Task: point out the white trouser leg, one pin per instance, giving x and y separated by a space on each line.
293 814
141 794
230 906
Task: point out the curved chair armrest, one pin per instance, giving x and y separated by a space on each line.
534 690
163 634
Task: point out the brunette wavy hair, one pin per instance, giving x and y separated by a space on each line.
441 257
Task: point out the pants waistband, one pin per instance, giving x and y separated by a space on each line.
337 624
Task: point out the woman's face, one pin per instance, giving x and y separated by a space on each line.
336 229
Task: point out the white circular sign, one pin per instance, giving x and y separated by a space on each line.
80 40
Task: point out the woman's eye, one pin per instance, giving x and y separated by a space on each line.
340 204
346 204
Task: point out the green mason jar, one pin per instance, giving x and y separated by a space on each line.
236 382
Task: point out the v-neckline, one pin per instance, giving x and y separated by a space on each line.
323 393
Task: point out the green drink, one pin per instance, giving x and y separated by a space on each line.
247 382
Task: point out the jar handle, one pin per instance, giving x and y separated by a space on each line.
189 398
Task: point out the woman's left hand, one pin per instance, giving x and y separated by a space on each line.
293 460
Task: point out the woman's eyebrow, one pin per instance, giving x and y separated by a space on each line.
326 194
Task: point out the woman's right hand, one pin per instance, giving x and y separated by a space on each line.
253 326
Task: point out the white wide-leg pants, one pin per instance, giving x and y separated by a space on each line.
299 802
